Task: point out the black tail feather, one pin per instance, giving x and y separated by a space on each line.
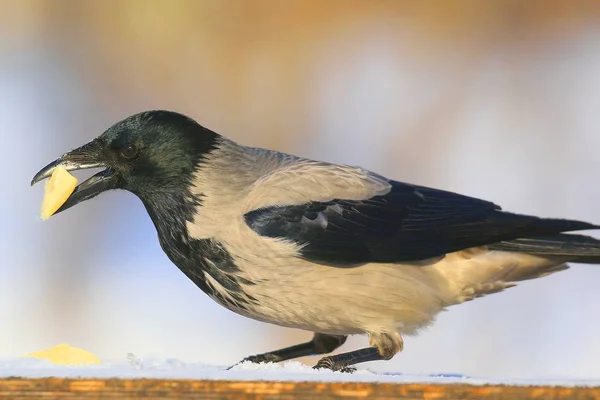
583 249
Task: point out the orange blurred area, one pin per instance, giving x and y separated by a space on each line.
491 99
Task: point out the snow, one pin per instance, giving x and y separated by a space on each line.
150 367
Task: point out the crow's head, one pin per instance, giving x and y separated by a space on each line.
148 154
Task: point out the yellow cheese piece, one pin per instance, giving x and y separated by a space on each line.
63 354
58 189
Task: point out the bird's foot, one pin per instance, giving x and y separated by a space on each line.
330 364
259 358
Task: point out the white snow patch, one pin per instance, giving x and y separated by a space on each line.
151 367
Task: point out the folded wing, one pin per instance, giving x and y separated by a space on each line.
408 223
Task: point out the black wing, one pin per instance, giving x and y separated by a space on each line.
409 223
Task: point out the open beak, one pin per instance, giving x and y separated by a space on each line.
84 157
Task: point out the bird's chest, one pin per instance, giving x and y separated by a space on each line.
210 266
228 260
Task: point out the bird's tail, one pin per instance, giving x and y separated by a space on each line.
481 271
576 248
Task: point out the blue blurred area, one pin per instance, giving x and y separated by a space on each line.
503 110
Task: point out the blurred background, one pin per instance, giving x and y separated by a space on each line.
497 100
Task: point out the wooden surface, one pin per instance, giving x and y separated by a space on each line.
61 388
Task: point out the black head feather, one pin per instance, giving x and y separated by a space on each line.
155 152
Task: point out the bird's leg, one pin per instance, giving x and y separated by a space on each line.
320 344
341 362
383 347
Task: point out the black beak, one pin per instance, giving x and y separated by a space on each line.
84 157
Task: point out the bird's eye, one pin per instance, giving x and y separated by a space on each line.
128 151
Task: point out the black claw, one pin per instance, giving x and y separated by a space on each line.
259 358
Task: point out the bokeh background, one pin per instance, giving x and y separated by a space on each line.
497 100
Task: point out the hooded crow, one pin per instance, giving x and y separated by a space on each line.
333 249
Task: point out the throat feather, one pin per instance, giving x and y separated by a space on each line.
204 261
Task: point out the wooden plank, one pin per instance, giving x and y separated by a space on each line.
160 389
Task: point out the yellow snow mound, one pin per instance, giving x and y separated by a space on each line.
64 354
